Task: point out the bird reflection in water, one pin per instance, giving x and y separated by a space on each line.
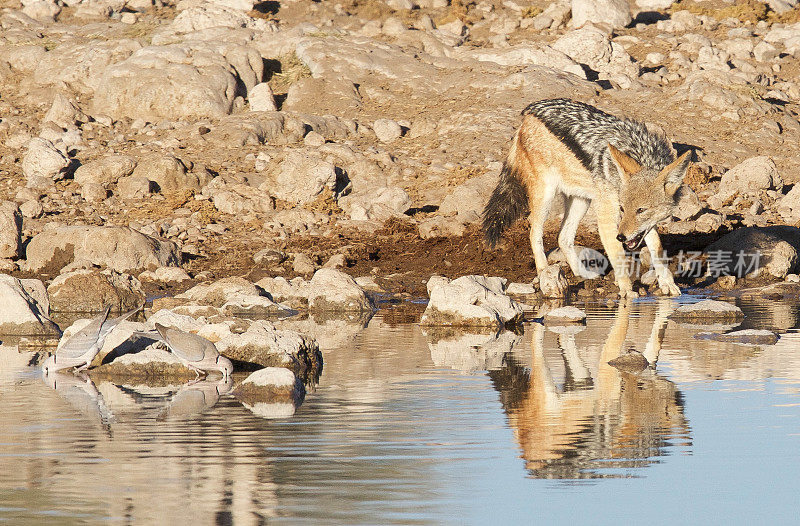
601 421
81 393
196 397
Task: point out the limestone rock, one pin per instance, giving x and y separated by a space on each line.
43 163
65 112
104 171
707 311
92 290
475 301
261 98
592 47
263 344
567 314
151 363
376 204
177 82
387 130
169 174
25 308
615 13
119 248
303 177
220 292
751 250
749 177
333 290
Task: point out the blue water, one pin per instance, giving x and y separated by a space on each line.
407 429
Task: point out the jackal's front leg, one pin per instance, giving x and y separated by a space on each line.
607 227
666 282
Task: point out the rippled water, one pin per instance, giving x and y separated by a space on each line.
414 428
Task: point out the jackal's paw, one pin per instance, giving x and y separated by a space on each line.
670 289
668 286
626 291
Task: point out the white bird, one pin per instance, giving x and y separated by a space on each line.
192 350
81 348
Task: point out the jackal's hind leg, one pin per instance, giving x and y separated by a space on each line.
666 282
540 199
575 209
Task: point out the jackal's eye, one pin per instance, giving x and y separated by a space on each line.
621 210
639 210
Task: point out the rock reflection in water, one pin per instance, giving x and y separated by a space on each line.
468 352
598 422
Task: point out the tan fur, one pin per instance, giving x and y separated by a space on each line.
548 167
615 413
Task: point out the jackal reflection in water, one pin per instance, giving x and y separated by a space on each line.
601 422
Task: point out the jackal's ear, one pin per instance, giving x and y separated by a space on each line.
673 174
626 166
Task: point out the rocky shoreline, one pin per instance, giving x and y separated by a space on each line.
225 160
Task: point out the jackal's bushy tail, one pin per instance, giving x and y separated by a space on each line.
508 203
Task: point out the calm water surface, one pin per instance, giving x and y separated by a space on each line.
413 428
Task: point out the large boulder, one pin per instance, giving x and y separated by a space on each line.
252 341
106 170
333 290
750 251
169 174
616 13
179 81
80 66
119 248
749 177
470 301
592 47
43 163
228 296
302 177
93 290
263 344
25 308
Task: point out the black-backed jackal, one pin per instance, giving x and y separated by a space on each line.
570 148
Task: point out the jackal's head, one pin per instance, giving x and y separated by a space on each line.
647 196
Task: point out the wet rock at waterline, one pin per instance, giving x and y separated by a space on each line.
333 290
711 311
563 315
470 301
272 392
151 363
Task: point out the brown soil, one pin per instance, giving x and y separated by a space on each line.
402 262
